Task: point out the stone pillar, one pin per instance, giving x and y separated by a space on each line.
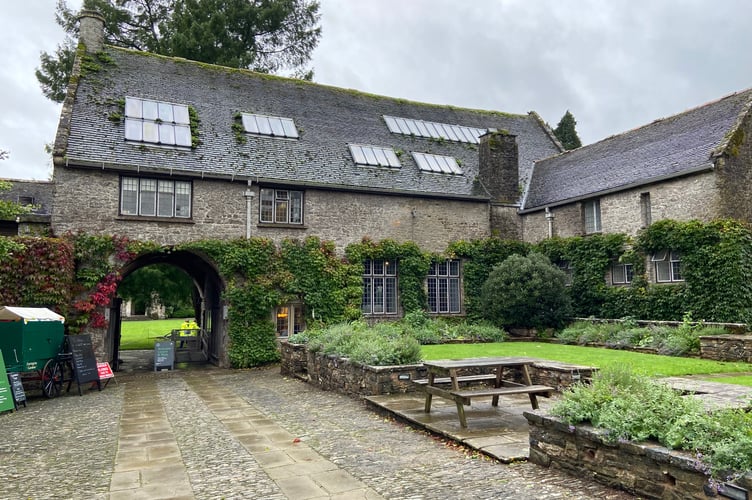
498 169
91 30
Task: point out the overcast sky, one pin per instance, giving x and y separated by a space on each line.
615 64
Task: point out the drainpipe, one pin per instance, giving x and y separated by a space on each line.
550 219
249 194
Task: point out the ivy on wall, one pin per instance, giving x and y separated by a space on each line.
716 266
590 258
77 275
412 267
36 272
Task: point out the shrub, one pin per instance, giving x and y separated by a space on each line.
633 407
526 292
382 344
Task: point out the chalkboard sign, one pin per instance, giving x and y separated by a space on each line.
6 397
164 355
19 396
84 362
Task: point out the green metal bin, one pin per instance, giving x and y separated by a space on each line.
29 337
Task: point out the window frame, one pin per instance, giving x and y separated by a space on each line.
627 271
151 207
271 201
449 274
384 272
294 316
669 264
591 213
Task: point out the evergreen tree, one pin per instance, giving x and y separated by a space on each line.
566 133
266 35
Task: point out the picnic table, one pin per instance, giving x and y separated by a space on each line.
445 376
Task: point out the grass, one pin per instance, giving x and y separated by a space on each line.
143 334
737 380
653 365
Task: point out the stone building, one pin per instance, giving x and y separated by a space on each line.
38 195
170 150
696 165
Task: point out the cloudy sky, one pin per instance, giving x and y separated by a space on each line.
615 64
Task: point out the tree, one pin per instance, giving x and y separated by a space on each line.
262 35
566 133
526 292
174 287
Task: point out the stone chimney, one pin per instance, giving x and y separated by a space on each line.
498 168
91 30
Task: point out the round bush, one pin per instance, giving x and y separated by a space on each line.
526 292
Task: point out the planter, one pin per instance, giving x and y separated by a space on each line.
333 373
644 469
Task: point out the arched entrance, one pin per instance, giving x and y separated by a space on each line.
208 305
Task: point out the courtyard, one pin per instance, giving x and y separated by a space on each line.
207 432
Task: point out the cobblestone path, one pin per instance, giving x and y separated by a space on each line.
245 434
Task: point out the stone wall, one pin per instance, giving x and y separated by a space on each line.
685 198
219 211
727 348
336 374
644 469
735 174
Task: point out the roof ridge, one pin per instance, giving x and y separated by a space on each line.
298 81
664 119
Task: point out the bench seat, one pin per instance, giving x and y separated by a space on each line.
447 380
465 396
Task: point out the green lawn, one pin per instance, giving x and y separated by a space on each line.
649 364
143 334
737 380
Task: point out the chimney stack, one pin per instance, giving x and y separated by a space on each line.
91 30
498 168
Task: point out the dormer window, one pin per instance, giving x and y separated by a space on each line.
157 122
272 126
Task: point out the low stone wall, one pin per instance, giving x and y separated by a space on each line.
644 469
337 374
726 347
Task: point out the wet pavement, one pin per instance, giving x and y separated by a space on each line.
204 432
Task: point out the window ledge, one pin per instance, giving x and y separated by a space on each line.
281 226
146 218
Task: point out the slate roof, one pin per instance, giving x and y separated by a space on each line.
327 118
42 193
669 147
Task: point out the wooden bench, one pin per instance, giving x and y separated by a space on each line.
464 397
448 380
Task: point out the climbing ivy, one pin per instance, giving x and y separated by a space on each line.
412 267
590 258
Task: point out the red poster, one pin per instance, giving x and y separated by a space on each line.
104 371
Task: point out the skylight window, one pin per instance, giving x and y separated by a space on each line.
157 122
434 130
374 156
437 163
273 126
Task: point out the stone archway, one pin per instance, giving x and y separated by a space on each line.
211 311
